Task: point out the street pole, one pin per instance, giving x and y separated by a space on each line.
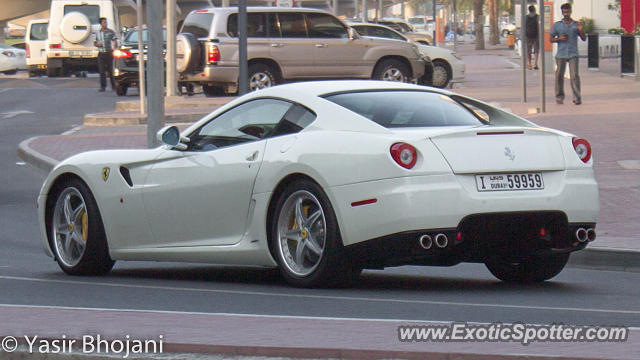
243 78
455 23
523 48
541 55
364 11
141 77
155 68
334 5
172 81
435 41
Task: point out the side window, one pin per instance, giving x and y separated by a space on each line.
362 30
325 26
250 121
297 118
272 25
91 11
256 25
292 25
391 34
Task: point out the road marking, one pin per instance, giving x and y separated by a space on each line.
19 163
5 89
325 297
12 114
266 316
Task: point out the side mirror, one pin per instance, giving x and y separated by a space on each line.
170 135
353 34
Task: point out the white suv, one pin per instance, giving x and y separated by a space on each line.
72 28
285 44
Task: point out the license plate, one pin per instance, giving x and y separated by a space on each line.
138 57
509 182
41 66
79 53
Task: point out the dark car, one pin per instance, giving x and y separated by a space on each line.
125 60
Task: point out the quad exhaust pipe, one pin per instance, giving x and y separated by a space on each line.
591 234
442 240
426 242
581 234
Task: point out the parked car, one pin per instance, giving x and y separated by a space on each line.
407 30
422 23
36 46
125 60
72 31
446 65
322 179
12 59
285 44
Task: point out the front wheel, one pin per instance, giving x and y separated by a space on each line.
305 238
391 70
529 270
76 232
441 74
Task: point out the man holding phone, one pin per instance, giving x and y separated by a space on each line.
565 33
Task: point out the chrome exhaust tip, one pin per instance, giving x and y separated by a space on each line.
442 240
425 242
581 234
591 234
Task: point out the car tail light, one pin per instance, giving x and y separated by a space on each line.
54 46
26 49
121 54
213 54
8 53
582 148
404 154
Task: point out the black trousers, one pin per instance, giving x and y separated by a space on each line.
105 64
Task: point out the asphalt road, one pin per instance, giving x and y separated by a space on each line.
461 293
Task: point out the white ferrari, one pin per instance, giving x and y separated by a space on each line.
324 179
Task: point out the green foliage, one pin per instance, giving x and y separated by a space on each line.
587 25
615 6
616 31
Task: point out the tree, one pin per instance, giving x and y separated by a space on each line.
494 30
478 20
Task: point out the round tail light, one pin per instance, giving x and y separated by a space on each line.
582 148
404 154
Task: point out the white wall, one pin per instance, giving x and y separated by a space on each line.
597 10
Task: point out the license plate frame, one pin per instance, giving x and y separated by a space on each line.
81 53
510 181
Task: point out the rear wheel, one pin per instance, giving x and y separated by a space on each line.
76 232
441 74
532 269
10 72
212 91
305 238
121 89
391 70
261 76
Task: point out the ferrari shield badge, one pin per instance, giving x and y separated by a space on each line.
105 173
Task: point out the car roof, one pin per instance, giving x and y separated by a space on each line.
234 9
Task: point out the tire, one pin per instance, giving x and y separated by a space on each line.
531 270
261 76
212 91
83 252
391 70
53 71
32 74
188 53
10 72
121 89
441 74
321 260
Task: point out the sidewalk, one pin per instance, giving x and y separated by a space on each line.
608 118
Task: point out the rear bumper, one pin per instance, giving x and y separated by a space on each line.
213 74
443 201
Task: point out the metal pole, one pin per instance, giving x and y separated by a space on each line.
523 47
455 24
364 11
334 5
243 78
543 102
155 67
141 77
172 81
435 41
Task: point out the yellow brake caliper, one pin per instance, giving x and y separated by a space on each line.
85 225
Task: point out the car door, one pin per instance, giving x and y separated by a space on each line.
294 51
335 54
202 197
36 36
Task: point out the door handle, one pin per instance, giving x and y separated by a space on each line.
275 45
253 156
321 45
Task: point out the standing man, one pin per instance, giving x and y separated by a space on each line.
565 33
106 41
532 37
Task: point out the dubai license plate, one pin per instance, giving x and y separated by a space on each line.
138 57
79 53
509 182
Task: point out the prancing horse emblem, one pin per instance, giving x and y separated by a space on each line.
105 173
509 154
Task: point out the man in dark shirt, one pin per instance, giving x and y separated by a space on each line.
106 40
533 45
565 33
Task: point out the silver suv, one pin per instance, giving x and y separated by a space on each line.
285 44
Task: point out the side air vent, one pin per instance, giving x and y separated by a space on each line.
125 175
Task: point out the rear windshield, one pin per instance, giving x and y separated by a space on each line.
198 24
398 109
416 21
91 11
38 31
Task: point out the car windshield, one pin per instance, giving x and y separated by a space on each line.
132 37
417 21
402 109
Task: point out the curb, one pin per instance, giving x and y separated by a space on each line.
183 103
127 119
34 158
